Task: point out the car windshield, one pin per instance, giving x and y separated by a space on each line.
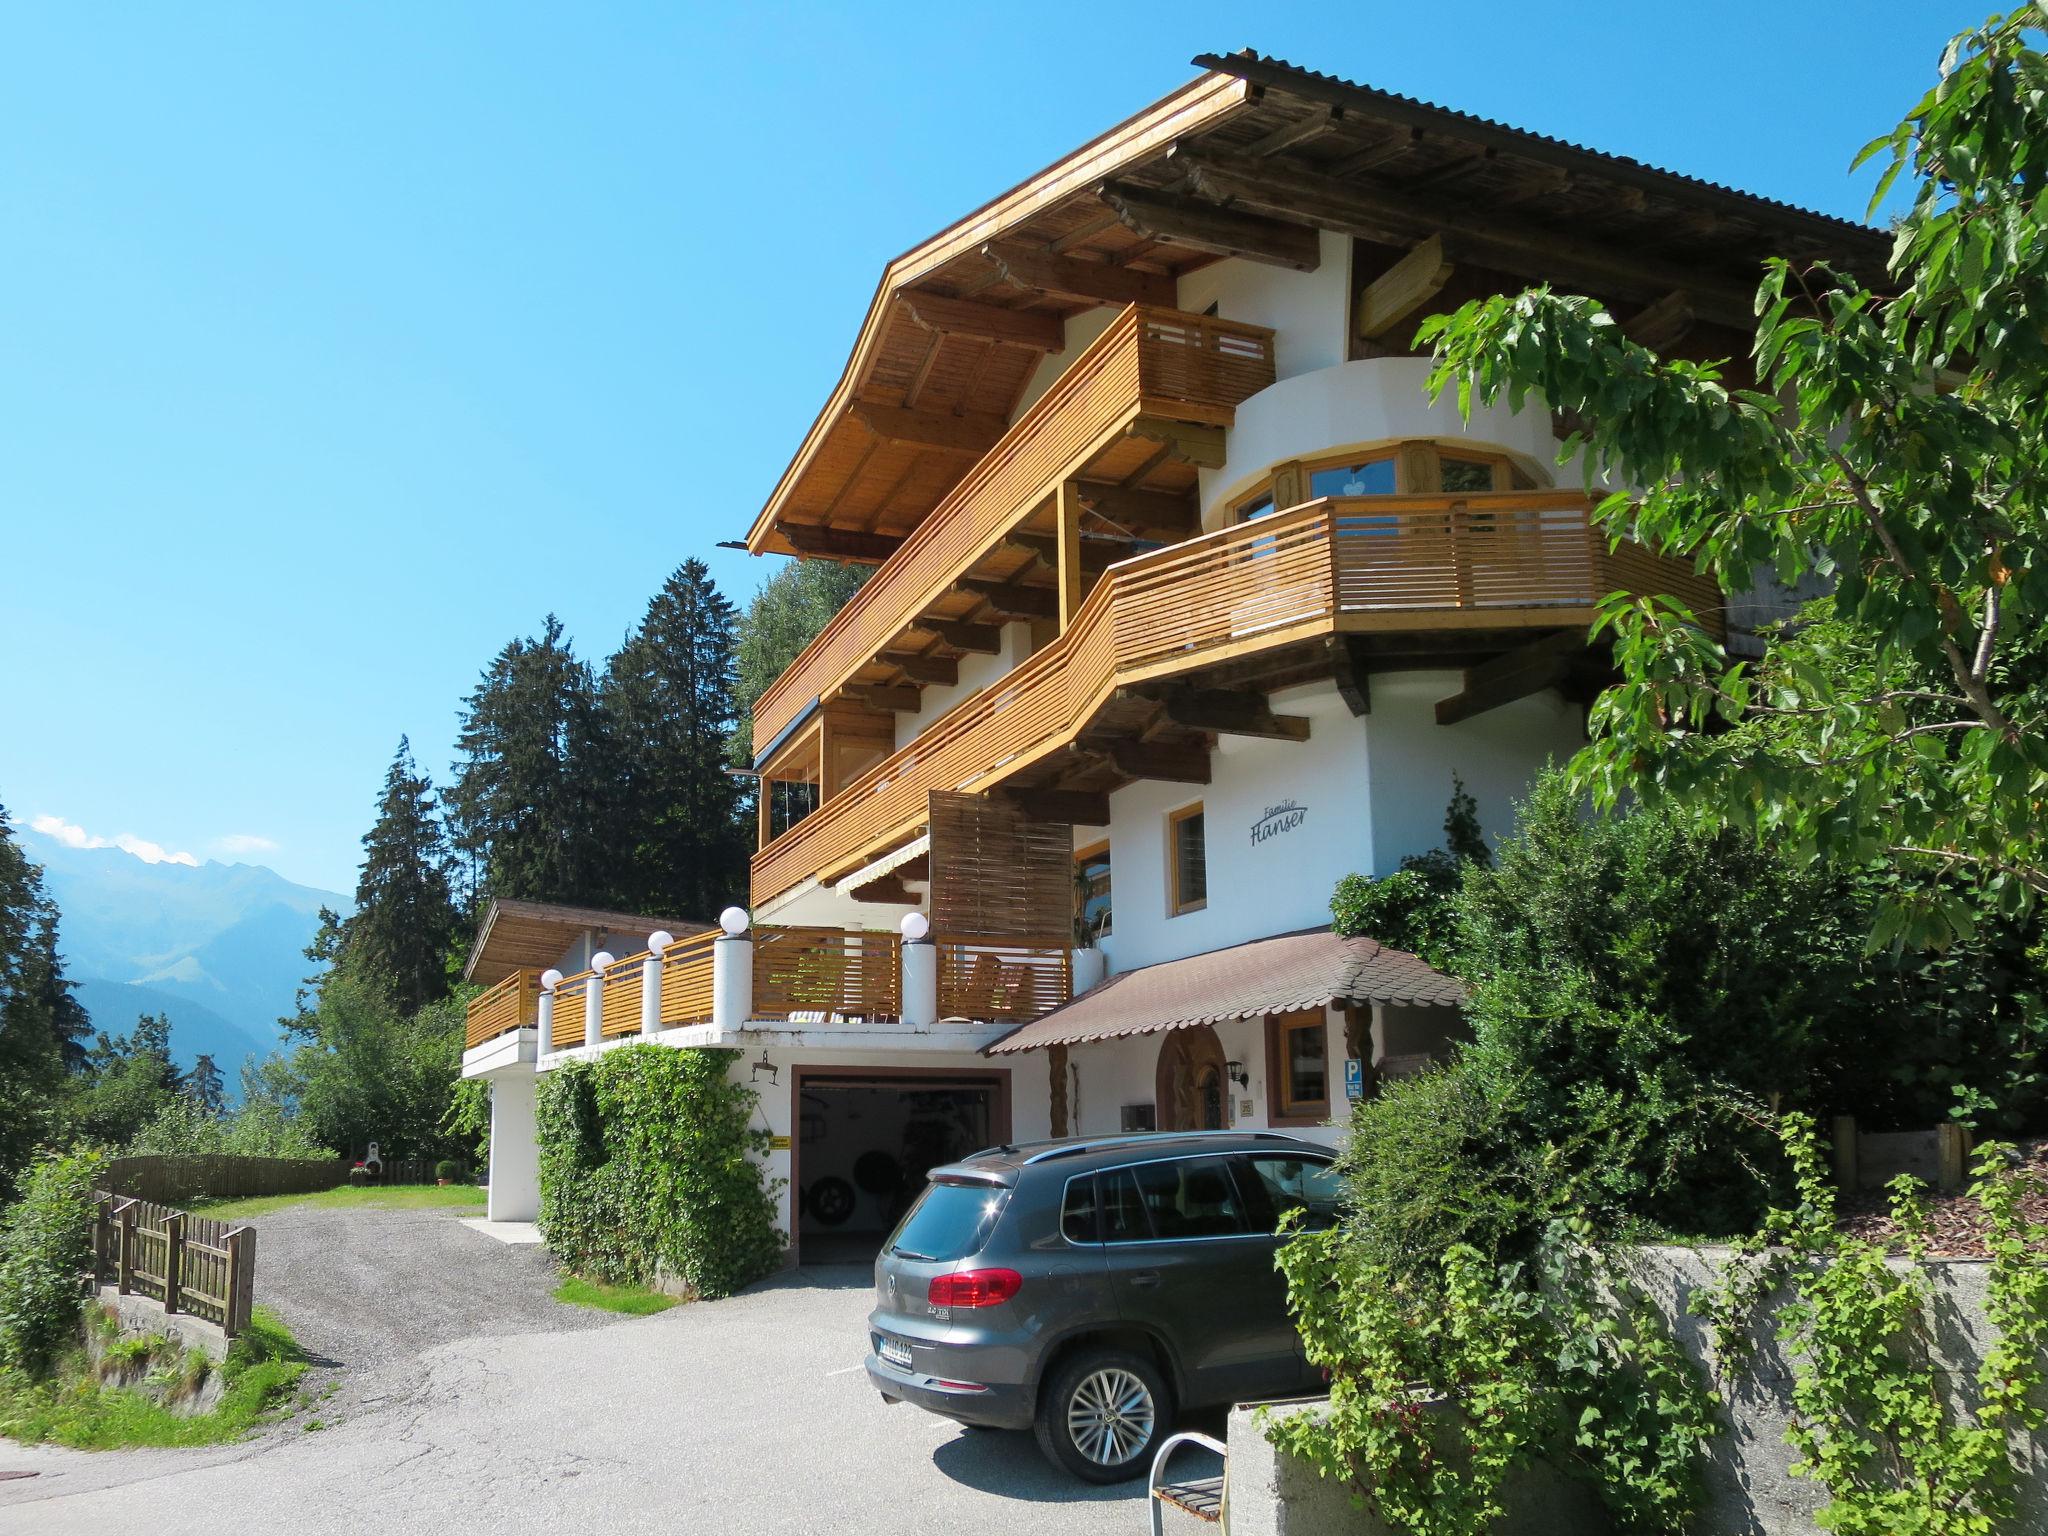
949 1221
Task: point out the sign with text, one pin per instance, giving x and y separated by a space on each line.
1354 1078
1284 817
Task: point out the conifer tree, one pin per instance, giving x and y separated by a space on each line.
786 613
42 1024
205 1087
676 844
405 923
522 815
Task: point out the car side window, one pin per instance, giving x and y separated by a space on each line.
1277 1184
1078 1222
1122 1208
1191 1197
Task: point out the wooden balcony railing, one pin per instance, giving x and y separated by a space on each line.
1156 362
619 1003
686 980
569 995
513 1003
1507 560
849 972
1003 980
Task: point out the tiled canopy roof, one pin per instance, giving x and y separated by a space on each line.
1310 969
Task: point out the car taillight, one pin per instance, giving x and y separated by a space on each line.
974 1288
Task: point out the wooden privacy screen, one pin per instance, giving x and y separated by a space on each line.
1002 908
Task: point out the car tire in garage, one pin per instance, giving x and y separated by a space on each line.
1103 1413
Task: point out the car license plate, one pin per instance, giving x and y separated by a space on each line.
893 1353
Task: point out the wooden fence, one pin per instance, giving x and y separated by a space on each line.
171 1178
187 1263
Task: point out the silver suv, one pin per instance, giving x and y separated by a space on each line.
1092 1288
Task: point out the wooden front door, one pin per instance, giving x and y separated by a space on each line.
1190 1086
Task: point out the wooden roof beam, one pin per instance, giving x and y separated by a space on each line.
1187 764
1403 288
1012 601
1036 329
1205 227
1317 123
838 544
1394 217
1663 324
1229 712
1199 446
1072 807
943 670
980 639
1529 669
900 697
1161 515
1096 556
1068 277
973 433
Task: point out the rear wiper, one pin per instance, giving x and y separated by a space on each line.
915 1257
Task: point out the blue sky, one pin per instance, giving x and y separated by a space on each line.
340 344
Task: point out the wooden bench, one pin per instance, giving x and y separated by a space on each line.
1201 1497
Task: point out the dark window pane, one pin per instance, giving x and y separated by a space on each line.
1259 506
1077 1213
1122 1212
1091 880
949 1221
1461 475
1308 1078
1375 477
1193 1197
1190 861
1282 1184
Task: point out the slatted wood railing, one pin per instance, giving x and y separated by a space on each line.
686 980
1157 362
620 1004
1507 560
852 972
569 1009
513 1003
185 1263
1003 980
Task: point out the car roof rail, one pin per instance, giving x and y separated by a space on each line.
1140 1138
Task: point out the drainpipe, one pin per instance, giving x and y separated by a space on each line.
920 972
650 982
732 971
593 999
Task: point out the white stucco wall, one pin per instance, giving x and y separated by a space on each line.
1374 789
1306 310
976 673
1081 329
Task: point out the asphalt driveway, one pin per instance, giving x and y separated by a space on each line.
467 1401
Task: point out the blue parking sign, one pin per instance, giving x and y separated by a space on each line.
1354 1078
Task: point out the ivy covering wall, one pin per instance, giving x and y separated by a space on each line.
645 1172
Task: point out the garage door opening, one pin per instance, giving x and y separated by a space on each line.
864 1145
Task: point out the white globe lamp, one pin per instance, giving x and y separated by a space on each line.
734 921
549 980
915 926
659 941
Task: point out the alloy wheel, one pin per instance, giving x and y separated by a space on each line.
1110 1416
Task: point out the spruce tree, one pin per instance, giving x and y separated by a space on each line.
405 924
521 814
785 615
41 1022
205 1087
677 845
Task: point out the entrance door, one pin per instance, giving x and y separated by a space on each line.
1190 1087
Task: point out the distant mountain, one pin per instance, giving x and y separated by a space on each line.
219 947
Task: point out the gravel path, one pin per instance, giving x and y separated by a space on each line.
472 1403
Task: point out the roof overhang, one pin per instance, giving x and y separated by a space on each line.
532 935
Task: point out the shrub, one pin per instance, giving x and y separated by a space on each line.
449 1169
645 1169
45 1244
1414 908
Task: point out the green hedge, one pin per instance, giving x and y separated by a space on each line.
644 1169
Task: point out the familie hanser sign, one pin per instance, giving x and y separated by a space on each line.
1284 817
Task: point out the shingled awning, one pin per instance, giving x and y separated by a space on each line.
1309 969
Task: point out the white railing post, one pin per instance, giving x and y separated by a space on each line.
650 981
593 999
545 1012
920 972
732 971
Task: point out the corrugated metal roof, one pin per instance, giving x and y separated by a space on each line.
1308 969
1267 70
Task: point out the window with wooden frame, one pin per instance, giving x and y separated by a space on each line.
1091 892
1413 468
1298 1067
1187 861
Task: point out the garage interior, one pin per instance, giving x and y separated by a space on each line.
864 1146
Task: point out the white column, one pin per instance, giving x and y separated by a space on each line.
920 983
593 1000
650 982
732 981
514 1194
546 1021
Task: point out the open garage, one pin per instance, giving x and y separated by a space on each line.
864 1141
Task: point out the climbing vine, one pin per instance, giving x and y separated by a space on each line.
1438 1394
645 1171
1871 1419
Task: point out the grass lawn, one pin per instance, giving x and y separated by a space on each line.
629 1299
75 1409
394 1197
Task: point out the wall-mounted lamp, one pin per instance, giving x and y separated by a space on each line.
1237 1073
765 1065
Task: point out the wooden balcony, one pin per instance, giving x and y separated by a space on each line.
1152 370
1454 577
513 1003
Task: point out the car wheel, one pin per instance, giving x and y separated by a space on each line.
1103 1414
830 1200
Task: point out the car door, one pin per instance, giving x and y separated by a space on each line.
1274 1184
1188 1264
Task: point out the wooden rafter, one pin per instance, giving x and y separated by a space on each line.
1011 600
1200 446
1096 282
920 668
839 544
1287 135
1403 288
981 639
1531 668
1077 807
1032 328
1205 227
1663 324
1163 515
1181 764
1230 712
968 432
